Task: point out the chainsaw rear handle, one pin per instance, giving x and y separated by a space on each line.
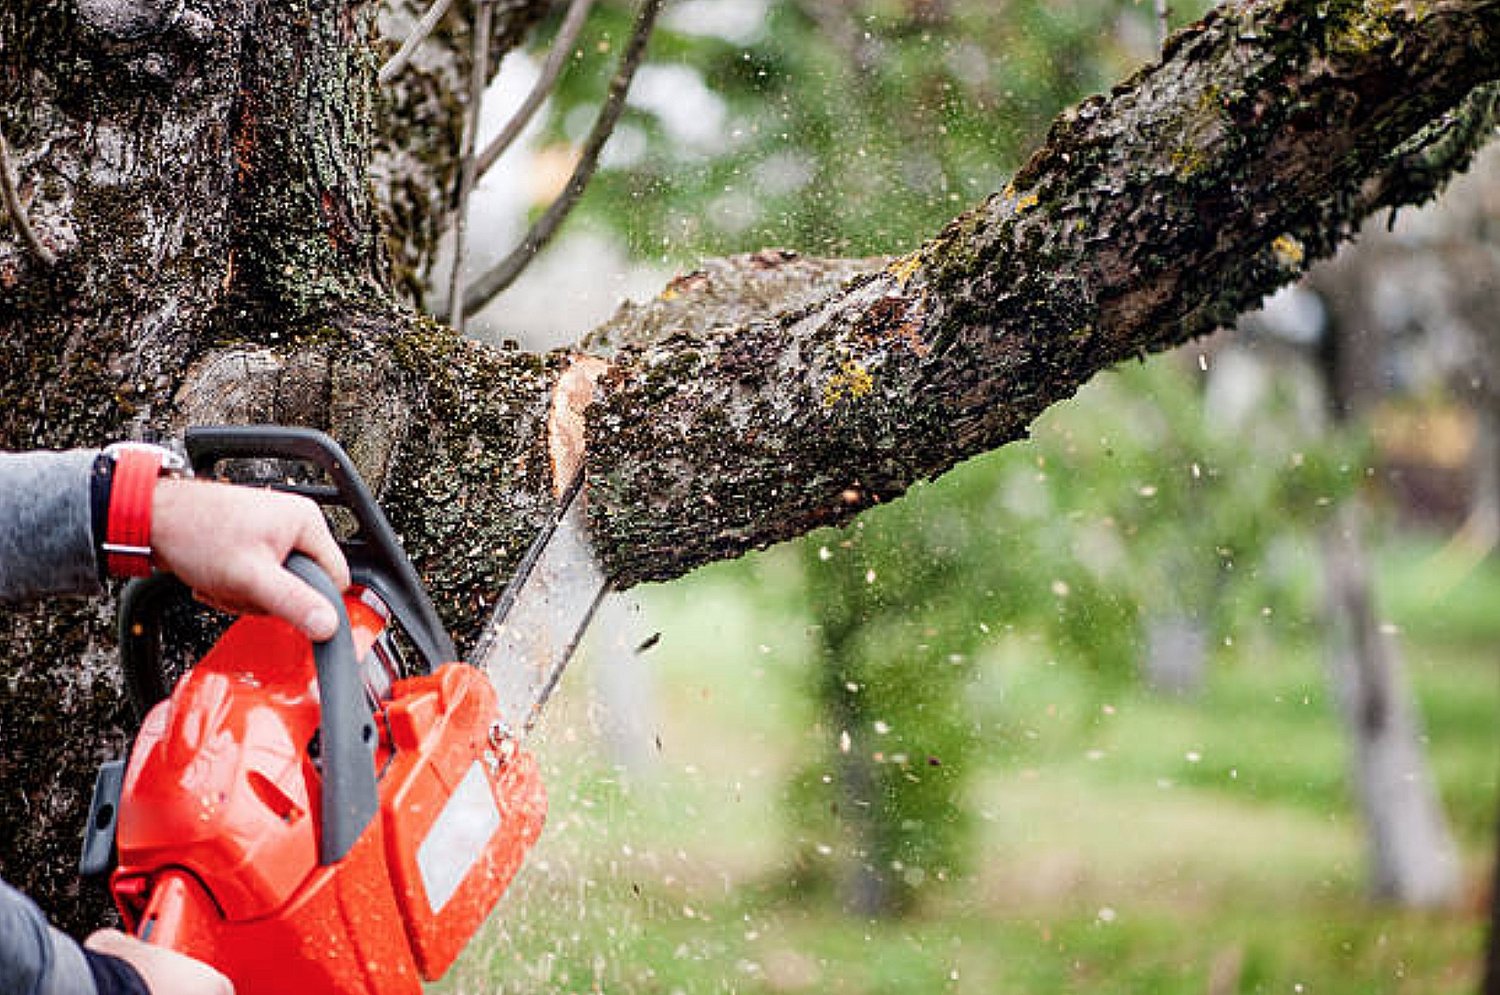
346 731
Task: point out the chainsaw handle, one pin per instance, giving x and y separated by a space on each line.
179 916
346 731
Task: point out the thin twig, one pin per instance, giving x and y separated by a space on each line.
418 35
478 80
17 211
1163 23
504 273
567 36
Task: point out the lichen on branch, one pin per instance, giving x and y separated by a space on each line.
1149 216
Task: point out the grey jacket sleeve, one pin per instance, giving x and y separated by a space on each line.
36 959
46 531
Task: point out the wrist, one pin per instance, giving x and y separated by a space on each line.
124 496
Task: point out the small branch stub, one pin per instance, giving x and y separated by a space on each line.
16 211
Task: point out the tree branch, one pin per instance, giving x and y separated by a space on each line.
504 273
557 57
479 79
1149 217
17 211
419 33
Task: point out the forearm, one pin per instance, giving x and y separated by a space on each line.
46 536
36 959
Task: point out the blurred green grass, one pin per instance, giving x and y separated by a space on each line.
1130 842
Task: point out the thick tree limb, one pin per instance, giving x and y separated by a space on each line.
1150 216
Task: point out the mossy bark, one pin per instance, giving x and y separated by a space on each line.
206 175
1150 216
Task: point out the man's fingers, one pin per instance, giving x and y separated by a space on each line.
314 539
283 594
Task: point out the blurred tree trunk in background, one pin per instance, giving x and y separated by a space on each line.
1175 626
880 800
1413 859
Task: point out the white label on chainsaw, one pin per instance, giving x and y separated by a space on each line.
458 837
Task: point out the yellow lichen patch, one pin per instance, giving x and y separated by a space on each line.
1026 203
903 268
1369 25
669 294
1188 161
1288 251
851 382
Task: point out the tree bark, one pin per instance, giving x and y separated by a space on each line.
203 173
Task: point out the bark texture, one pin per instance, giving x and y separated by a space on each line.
1150 216
204 173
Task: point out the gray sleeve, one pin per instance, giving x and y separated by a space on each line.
46 530
36 959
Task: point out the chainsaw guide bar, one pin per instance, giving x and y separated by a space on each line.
542 614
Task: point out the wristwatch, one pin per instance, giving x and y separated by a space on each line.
125 476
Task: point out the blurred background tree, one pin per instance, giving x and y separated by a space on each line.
838 127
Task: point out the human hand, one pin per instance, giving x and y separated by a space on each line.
165 972
228 544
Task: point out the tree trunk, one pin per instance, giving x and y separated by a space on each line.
1413 860
1175 656
1481 529
204 174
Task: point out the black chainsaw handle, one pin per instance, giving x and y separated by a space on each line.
346 730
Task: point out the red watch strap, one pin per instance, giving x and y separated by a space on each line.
127 533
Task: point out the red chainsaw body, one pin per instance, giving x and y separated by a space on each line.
219 821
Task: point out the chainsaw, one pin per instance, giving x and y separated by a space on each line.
335 818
